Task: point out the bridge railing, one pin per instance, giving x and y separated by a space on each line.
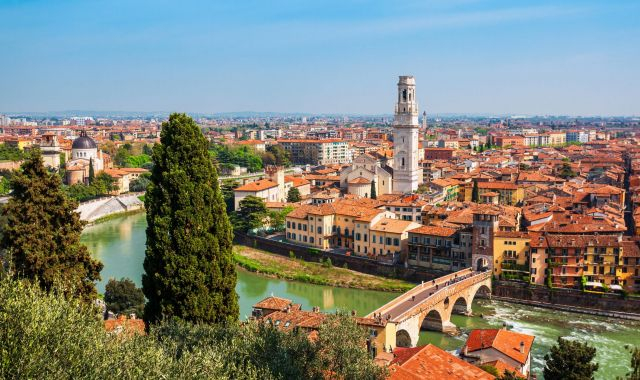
420 288
441 294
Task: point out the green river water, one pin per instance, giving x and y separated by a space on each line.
120 242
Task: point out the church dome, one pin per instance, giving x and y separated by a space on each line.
84 142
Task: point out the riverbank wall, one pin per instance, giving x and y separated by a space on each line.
104 207
359 264
610 305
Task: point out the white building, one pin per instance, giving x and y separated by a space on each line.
406 170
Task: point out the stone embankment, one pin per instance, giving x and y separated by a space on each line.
102 207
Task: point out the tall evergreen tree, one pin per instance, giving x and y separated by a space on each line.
374 195
570 360
293 195
92 174
41 239
475 192
189 269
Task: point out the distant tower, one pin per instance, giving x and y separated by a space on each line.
405 138
424 120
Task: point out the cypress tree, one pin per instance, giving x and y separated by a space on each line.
374 195
41 238
189 269
475 192
92 174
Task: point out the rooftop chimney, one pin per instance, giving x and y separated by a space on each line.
522 347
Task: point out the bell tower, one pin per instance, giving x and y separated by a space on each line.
405 138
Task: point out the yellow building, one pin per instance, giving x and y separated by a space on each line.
511 255
510 193
385 237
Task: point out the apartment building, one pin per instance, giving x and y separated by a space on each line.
437 248
317 152
510 194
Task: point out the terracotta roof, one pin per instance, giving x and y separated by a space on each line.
359 181
434 231
131 326
395 226
258 185
504 341
273 303
431 362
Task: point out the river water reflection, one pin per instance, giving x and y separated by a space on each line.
120 242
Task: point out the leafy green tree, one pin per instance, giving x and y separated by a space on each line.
570 360
278 218
137 161
42 235
250 215
475 192
147 149
122 296
227 188
282 157
122 156
11 153
92 174
340 350
635 365
141 183
294 195
5 186
373 190
189 269
566 171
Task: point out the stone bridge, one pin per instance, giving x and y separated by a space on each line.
429 306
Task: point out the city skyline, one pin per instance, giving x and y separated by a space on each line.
469 57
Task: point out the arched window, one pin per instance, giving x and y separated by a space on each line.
404 95
402 161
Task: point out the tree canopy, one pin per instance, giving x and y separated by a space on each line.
189 268
237 156
294 195
41 238
250 215
74 345
123 297
570 360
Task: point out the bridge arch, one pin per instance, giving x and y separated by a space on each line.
433 321
461 306
483 290
403 339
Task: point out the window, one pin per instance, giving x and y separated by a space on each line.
304 238
299 226
388 241
365 237
373 238
311 239
358 236
396 242
288 224
319 230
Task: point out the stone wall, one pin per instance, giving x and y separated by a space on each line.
101 207
360 264
569 299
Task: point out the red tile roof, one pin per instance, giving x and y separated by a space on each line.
504 341
431 362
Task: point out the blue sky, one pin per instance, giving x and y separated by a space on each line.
575 57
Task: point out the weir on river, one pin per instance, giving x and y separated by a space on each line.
120 243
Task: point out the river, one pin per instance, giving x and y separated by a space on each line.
119 243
